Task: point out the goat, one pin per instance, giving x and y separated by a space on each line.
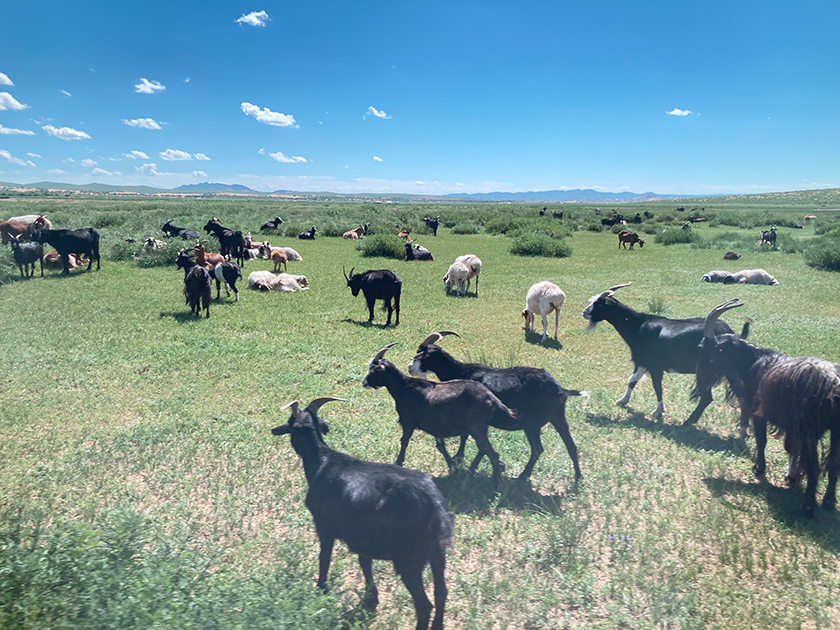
52 259
266 249
197 289
626 236
473 263
810 217
543 298
250 243
25 254
432 224
308 236
151 244
379 284
542 212
718 276
231 242
22 229
648 215
417 253
456 277
355 233
731 256
557 215
534 393
657 345
446 409
800 396
768 237
404 234
81 241
228 273
170 230
45 222
637 219
608 222
260 280
278 257
288 283
753 276
274 224
205 258
380 511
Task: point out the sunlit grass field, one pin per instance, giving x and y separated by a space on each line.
141 487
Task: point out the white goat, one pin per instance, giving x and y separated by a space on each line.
754 276
151 244
288 283
260 280
456 276
30 218
543 297
473 263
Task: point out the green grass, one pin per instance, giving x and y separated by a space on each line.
142 487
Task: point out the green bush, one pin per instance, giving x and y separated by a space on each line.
125 251
824 254
540 245
382 246
466 228
675 235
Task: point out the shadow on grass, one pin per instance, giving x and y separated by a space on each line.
367 324
685 435
182 317
535 338
468 493
786 507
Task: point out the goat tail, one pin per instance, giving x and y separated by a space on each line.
745 331
578 392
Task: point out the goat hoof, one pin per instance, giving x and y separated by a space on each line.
808 512
828 505
621 402
758 472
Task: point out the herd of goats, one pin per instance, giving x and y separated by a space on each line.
385 511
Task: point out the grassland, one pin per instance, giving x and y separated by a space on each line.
141 487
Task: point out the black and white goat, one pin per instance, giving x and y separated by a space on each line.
26 254
800 396
432 224
657 345
197 289
274 224
443 410
381 511
308 236
227 273
534 393
417 252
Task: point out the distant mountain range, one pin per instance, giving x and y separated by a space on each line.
207 186
564 195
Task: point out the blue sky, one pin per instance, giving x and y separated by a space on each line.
424 97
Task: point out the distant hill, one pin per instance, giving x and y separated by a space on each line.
207 186
92 187
564 195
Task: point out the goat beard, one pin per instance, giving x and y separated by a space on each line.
592 326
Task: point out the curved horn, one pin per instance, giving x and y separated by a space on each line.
437 336
315 405
293 405
382 352
344 271
712 317
618 286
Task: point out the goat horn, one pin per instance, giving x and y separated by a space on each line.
382 352
344 271
315 405
437 336
293 405
618 286
712 317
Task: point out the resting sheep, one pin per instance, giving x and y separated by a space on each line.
543 298
288 283
260 280
754 276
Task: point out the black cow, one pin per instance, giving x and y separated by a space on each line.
171 230
82 241
432 224
231 242
380 284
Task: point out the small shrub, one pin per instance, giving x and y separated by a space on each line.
109 219
824 255
158 258
674 235
466 228
382 246
540 245
125 251
657 306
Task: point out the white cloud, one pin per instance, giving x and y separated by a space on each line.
102 171
149 87
376 158
66 93
254 18
187 80
136 155
679 112
201 157
171 155
70 160
280 157
375 112
8 131
199 174
7 101
65 133
35 155
269 117
87 162
142 123
14 160
56 171
5 80
149 169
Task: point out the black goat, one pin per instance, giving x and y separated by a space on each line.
379 284
432 224
800 396
542 212
637 218
608 222
416 252
308 236
533 392
81 241
381 511
197 289
768 237
231 242
271 225
25 254
228 273
557 215
450 409
657 345
171 230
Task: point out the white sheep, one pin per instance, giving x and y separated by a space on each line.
473 263
260 280
152 244
543 297
456 276
754 276
287 282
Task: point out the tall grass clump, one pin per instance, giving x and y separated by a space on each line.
540 245
466 228
676 235
382 246
824 255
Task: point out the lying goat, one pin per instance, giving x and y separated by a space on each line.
381 511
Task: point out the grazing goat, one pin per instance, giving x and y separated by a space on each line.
416 252
228 273
271 225
456 277
648 215
447 409
22 229
288 283
432 224
151 244
800 396
197 289
278 257
637 219
718 276
768 237
543 298
608 222
380 511
731 256
534 393
753 276
231 242
308 236
260 280
81 241
657 345
25 254
473 263
170 230
379 284
810 217
626 236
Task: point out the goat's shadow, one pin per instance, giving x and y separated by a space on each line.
182 317
535 338
367 324
785 505
476 494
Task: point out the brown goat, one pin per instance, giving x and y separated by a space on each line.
278 257
204 258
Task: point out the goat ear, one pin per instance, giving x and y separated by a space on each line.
323 427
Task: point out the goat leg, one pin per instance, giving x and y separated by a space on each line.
406 437
459 456
637 376
830 498
412 577
371 599
324 558
437 560
760 426
441 446
705 400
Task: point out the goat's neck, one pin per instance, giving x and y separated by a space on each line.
448 368
625 320
313 453
396 381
